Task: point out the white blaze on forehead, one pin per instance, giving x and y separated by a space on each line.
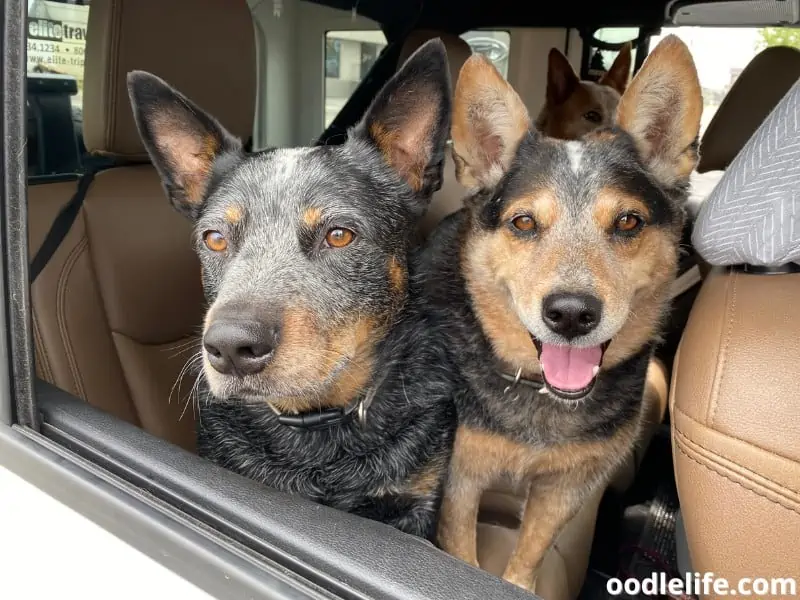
287 160
575 154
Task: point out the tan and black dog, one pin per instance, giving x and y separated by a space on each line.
573 107
553 283
318 375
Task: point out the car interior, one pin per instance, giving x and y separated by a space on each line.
116 301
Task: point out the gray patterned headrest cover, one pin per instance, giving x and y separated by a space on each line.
753 215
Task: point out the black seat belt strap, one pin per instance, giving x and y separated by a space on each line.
64 220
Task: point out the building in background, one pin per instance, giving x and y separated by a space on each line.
57 39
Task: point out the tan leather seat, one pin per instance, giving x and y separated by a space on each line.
118 307
736 426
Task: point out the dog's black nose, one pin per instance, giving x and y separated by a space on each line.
241 347
571 315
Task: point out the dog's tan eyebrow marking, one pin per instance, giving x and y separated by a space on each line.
542 204
233 214
611 201
312 217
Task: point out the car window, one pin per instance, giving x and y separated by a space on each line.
494 45
601 60
720 54
56 46
349 55
57 39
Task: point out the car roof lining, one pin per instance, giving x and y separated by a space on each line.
457 16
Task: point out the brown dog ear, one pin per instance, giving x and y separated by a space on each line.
183 141
661 110
409 119
619 74
489 121
561 78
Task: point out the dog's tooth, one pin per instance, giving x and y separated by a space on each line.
595 370
543 390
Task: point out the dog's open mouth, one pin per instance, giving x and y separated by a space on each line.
569 372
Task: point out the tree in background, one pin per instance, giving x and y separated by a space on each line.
778 36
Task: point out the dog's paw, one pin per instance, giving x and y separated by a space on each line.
521 579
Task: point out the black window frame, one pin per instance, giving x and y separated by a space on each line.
226 534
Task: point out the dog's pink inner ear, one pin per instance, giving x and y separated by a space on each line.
407 144
189 154
561 78
661 109
489 121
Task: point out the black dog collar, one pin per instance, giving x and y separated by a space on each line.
518 379
321 419
327 418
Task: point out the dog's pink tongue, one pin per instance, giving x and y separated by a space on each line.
568 368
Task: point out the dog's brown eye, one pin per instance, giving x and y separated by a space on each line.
628 223
524 223
339 237
215 241
593 116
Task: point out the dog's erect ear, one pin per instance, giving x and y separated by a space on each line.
619 74
489 121
561 78
183 141
661 109
409 119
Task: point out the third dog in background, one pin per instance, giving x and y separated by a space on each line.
573 107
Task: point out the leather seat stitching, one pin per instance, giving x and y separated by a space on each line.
725 340
113 72
41 350
66 271
732 437
689 441
717 470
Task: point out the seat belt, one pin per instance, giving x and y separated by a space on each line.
66 217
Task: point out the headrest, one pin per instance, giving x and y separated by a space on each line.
753 215
458 51
759 87
204 48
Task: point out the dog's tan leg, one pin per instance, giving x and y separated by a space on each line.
548 508
458 521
